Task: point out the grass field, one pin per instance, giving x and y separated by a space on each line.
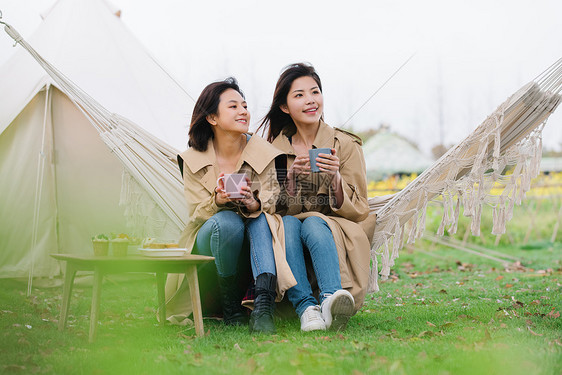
443 311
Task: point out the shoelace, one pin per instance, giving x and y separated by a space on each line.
310 315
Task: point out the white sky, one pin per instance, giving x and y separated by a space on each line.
475 53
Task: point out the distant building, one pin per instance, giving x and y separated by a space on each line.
551 164
387 153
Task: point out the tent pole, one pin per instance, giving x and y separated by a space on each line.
38 191
54 172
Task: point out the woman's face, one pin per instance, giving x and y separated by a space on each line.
232 114
305 102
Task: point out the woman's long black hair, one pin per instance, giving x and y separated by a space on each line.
200 131
276 120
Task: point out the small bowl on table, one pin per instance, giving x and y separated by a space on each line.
101 247
119 246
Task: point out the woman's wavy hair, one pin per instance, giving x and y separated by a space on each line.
200 131
276 120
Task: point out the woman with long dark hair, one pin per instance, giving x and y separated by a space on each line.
221 222
325 211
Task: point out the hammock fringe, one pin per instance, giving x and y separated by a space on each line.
510 137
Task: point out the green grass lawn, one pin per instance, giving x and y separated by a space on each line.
443 311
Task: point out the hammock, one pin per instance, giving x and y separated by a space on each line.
511 136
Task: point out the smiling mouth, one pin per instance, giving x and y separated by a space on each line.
312 110
242 121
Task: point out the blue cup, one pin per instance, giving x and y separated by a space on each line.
313 154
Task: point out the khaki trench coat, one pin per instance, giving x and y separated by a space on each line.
200 174
351 224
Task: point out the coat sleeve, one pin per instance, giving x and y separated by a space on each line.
201 204
355 206
267 192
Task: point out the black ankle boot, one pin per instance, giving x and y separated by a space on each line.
231 297
261 319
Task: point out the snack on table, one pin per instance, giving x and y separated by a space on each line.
152 243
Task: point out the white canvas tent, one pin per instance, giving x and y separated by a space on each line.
77 193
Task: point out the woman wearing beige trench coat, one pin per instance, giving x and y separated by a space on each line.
220 143
337 195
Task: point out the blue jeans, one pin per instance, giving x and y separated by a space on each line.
222 236
315 234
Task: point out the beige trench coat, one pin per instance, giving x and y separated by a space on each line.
351 224
200 174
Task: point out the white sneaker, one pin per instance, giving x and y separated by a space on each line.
337 309
311 319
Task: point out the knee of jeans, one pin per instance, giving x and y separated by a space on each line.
315 227
292 227
257 221
227 222
314 223
292 224
258 224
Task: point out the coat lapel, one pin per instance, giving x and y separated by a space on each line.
258 153
325 136
197 160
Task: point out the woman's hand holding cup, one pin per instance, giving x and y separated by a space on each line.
236 187
301 165
325 160
221 197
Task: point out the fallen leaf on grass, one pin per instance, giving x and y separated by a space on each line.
430 324
426 333
509 285
323 338
533 333
237 347
360 345
499 278
518 304
553 314
183 335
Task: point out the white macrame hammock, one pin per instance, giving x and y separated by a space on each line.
510 136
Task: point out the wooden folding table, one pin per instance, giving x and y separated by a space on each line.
103 265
